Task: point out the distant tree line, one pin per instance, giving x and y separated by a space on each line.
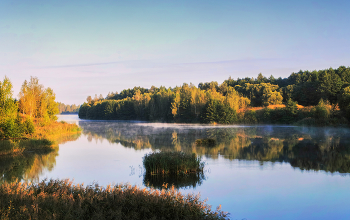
35 103
232 101
67 109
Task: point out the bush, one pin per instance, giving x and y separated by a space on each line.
250 117
10 129
322 111
28 126
215 111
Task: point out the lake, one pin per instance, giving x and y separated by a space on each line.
254 172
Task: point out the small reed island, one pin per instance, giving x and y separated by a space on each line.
172 163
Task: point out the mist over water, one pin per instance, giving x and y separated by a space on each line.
254 172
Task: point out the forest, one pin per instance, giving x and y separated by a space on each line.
308 97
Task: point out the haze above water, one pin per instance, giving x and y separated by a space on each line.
254 172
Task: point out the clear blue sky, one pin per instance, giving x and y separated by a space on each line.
81 48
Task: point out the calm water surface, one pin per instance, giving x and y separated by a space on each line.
254 172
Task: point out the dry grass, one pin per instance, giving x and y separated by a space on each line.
274 107
54 129
270 107
60 199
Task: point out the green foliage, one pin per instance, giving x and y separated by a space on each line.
28 126
322 112
214 103
290 111
10 129
344 102
83 110
181 104
261 94
249 117
216 112
128 93
310 87
9 124
291 107
8 106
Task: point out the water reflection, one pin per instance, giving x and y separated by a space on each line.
28 166
325 149
178 181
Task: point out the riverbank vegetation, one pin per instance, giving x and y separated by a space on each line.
29 123
307 97
172 163
60 199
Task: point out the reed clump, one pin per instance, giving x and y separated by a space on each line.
60 199
210 142
172 163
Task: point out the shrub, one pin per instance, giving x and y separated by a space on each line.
250 117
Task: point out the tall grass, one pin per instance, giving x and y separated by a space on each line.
60 199
172 163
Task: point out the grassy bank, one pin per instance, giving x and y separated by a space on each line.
172 163
53 129
60 199
43 138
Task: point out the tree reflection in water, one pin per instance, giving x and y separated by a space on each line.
307 148
28 166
